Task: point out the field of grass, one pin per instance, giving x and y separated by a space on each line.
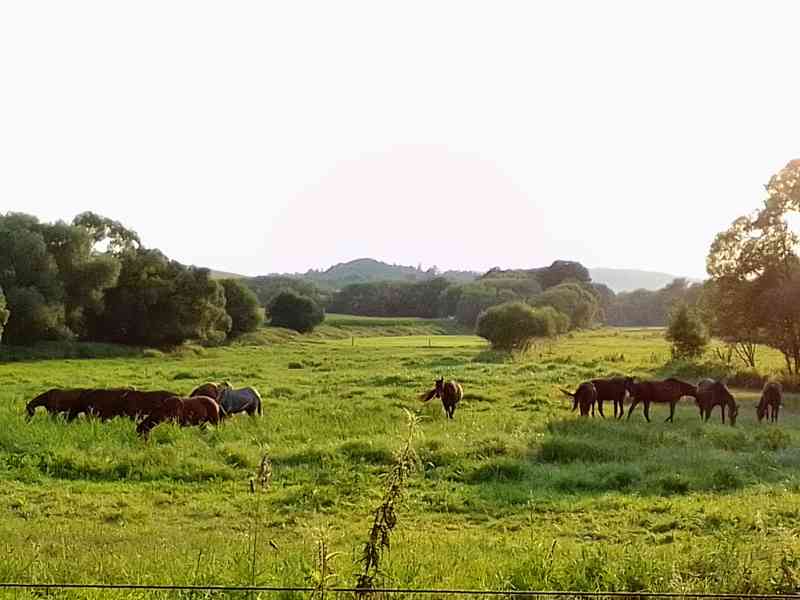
516 492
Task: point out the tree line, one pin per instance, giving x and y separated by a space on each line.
93 280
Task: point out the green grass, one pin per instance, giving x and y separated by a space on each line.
515 492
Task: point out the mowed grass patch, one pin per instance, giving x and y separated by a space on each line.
545 498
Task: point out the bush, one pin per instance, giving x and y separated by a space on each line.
241 304
512 325
687 334
296 312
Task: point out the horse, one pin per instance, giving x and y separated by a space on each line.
613 389
585 397
712 393
450 392
231 401
123 402
57 401
770 402
669 390
196 410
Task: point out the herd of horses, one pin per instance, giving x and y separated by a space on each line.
212 402
708 394
209 403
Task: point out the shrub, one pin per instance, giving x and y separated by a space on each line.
513 324
241 304
294 311
687 334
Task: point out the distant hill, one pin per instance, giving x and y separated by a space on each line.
626 280
226 275
365 270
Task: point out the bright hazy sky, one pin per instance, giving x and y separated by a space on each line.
261 137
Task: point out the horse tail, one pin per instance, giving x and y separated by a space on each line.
40 400
570 394
428 395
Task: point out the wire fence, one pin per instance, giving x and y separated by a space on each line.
21 591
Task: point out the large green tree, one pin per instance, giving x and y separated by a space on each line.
294 311
756 273
242 306
4 313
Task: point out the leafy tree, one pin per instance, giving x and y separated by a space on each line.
267 287
474 299
754 265
242 306
578 301
102 230
513 324
160 302
294 311
687 334
562 271
32 318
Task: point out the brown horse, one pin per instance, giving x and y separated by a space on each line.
770 402
109 403
613 389
668 391
450 393
712 393
55 401
585 397
196 410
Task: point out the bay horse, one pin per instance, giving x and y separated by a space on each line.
55 401
123 402
450 392
667 391
231 401
770 402
196 410
584 397
712 393
613 389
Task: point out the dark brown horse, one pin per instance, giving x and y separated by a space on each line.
450 392
584 397
668 391
712 393
770 402
109 403
70 402
613 389
196 410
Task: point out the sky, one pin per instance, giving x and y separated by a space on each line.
260 137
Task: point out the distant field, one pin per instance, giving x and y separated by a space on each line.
516 492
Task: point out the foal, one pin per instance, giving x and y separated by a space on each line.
770 403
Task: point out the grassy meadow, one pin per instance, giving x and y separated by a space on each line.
516 492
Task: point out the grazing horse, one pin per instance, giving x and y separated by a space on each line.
109 403
231 401
712 393
613 389
770 402
450 393
670 390
585 397
57 401
196 410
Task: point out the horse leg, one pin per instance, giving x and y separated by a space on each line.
600 408
671 413
722 412
647 410
634 402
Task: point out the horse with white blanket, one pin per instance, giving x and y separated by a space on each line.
231 401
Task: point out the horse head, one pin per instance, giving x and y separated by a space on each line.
439 387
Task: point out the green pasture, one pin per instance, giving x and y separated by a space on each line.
516 492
